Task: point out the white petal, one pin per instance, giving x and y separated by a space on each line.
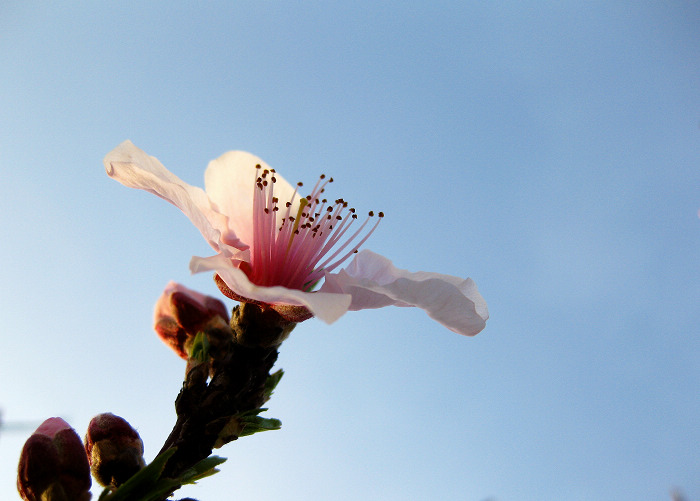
132 167
374 282
329 307
230 181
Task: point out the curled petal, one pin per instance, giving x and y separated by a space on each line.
374 282
134 168
289 312
326 306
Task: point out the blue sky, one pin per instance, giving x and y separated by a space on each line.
548 150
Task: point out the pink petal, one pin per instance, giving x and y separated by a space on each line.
326 306
374 282
132 167
230 183
52 426
164 306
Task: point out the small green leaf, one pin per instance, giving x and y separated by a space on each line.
231 430
244 424
255 424
147 485
271 383
200 347
141 484
205 468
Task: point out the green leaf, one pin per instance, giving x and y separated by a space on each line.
231 430
147 485
205 468
271 383
244 424
141 483
200 347
255 424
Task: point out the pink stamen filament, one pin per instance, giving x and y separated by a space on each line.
287 252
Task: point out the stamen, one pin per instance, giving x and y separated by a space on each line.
287 251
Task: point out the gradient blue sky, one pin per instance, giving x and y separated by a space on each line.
549 150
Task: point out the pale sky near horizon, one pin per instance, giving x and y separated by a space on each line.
548 150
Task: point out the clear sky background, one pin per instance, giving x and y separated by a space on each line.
548 150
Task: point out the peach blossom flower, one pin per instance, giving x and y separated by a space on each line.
274 246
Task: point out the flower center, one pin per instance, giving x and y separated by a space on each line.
295 250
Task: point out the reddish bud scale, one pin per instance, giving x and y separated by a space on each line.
114 449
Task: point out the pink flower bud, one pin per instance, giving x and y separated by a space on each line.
180 313
53 465
114 449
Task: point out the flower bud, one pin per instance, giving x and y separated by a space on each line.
180 313
53 465
114 450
